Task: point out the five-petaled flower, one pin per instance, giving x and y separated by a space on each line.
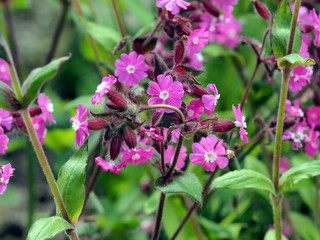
80 125
137 156
173 5
4 72
39 124
4 141
194 109
169 156
104 87
197 40
46 107
5 174
109 166
240 122
5 119
210 101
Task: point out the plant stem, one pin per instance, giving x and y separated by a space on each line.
293 26
119 21
277 216
157 227
197 226
318 198
164 106
31 185
286 209
163 168
176 156
145 43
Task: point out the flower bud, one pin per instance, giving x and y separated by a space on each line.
182 29
115 147
130 138
198 135
211 8
96 124
139 41
222 126
179 52
197 92
117 99
168 28
155 118
262 10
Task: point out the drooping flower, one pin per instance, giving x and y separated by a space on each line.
109 166
194 109
297 137
169 156
210 101
137 156
197 40
208 152
46 107
240 122
4 72
80 125
311 142
152 133
131 68
283 165
5 174
39 124
313 116
316 27
167 92
103 88
173 6
5 119
4 141
295 110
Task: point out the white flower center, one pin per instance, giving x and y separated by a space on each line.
210 157
36 126
2 69
232 33
297 137
112 163
164 95
131 69
314 116
216 99
190 113
200 57
244 122
49 107
195 40
101 86
76 125
136 156
0 119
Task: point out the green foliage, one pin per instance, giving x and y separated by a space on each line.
271 235
8 99
294 60
305 227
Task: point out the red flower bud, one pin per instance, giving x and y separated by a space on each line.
197 92
117 99
130 137
33 111
155 118
168 28
222 126
115 147
182 29
211 8
179 52
96 124
262 10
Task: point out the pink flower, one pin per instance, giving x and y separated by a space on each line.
224 4
5 119
313 116
46 107
4 141
284 165
295 110
207 153
299 77
5 174
173 5
196 60
194 109
39 124
297 136
109 166
169 155
240 122
175 134
4 72
197 40
131 68
316 27
152 133
168 92
311 142
210 102
79 125
137 156
103 88
209 23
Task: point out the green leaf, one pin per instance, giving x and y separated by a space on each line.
298 173
243 179
182 183
305 226
271 235
294 60
281 31
47 228
8 99
70 182
32 85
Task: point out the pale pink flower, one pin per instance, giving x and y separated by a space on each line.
311 142
208 152
5 119
196 60
240 122
173 6
5 174
46 107
295 110
4 141
80 125
194 109
39 124
224 4
297 137
197 40
109 166
169 156
284 165
167 92
104 87
299 77
316 27
152 133
131 68
137 156
210 101
4 72
313 116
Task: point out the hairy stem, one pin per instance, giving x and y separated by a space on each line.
145 43
277 216
176 156
157 227
151 107
119 21
31 185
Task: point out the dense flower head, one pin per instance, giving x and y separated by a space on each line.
316 27
39 124
194 109
197 40
131 68
5 174
103 88
4 141
137 156
169 156
297 136
311 142
210 101
295 110
80 125
208 153
46 107
167 92
173 6
240 122
5 119
313 116
4 72
109 166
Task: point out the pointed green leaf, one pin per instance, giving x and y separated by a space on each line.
298 173
32 85
182 183
281 31
47 228
294 60
271 235
8 99
306 227
243 179
70 182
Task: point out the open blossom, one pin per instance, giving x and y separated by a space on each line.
208 152
283 165
295 110
194 109
103 88
208 22
131 68
109 166
5 174
39 124
137 156
311 142
313 116
4 141
5 119
173 6
297 137
79 125
4 72
46 107
224 4
240 122
316 27
197 40
167 92
196 60
210 101
169 156
299 77
152 133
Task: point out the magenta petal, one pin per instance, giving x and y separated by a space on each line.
222 162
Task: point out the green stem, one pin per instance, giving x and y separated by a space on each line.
119 21
293 25
31 185
164 106
277 216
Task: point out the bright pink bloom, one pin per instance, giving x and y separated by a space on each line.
103 88
131 68
46 107
209 23
79 125
195 109
137 156
4 141
5 174
167 92
299 77
173 5
284 165
240 122
197 40
4 72
152 133
313 116
210 101
295 110
224 4
311 142
5 119
207 153
297 137
39 124
316 27
196 60
169 155
109 166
